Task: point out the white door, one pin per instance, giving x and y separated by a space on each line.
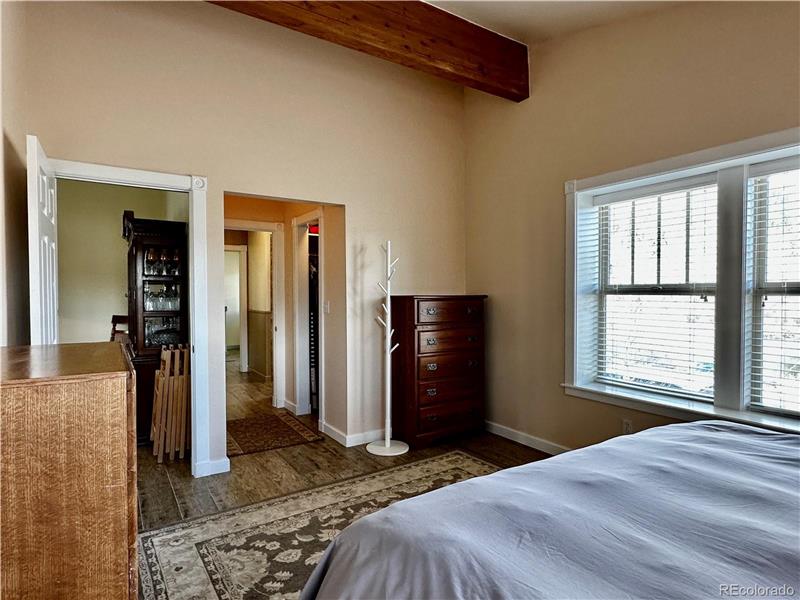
42 246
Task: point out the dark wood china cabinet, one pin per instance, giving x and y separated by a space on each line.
157 301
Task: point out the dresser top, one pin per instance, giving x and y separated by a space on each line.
60 361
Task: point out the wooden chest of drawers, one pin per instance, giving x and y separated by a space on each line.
68 477
438 370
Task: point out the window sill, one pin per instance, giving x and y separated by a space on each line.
678 408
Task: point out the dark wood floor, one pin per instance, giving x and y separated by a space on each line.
168 493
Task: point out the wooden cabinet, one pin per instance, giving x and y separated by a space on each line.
158 295
438 378
68 482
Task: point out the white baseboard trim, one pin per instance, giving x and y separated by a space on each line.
526 439
278 402
211 467
348 441
357 439
290 406
332 431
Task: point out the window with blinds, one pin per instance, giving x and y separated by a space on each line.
657 283
683 284
774 210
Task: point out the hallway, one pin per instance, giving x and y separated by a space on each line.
247 394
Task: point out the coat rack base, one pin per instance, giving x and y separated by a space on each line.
395 448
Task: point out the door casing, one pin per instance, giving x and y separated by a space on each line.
302 376
202 463
244 358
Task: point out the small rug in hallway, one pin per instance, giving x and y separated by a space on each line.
267 432
269 549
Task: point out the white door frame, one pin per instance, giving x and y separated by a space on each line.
196 187
302 376
244 359
278 302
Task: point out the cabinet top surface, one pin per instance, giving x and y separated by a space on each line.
26 363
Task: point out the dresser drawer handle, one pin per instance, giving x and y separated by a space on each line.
470 310
431 341
432 367
472 339
432 391
431 310
472 363
432 418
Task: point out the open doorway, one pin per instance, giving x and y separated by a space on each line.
296 352
308 312
249 329
92 258
255 374
123 275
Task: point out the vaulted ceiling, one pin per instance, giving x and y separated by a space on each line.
478 44
533 22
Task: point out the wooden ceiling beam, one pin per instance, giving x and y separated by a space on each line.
410 33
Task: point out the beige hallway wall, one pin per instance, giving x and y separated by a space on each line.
232 310
259 305
664 84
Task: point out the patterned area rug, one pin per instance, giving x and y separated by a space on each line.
267 432
269 549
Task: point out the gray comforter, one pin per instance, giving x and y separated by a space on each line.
698 510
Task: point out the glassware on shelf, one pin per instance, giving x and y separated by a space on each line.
176 263
150 258
172 297
163 259
162 331
162 296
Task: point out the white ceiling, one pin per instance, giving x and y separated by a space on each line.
533 22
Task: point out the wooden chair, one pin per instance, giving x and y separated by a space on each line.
119 328
171 393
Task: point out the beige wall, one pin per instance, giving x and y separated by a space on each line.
259 346
92 255
258 271
659 85
259 305
194 88
14 310
232 316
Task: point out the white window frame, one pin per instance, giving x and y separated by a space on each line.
730 163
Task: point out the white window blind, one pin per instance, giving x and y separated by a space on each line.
657 283
683 284
774 209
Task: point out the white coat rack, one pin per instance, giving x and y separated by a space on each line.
387 446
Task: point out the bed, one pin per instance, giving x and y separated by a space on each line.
698 510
